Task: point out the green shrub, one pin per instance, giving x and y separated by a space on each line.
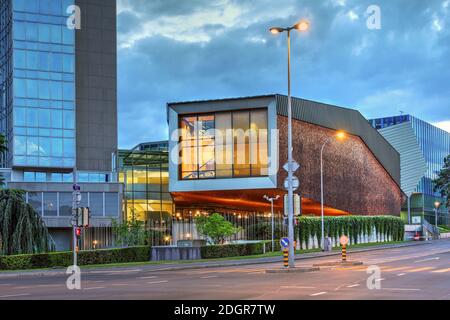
64 259
237 250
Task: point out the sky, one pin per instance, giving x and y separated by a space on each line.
182 50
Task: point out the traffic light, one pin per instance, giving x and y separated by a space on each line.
78 232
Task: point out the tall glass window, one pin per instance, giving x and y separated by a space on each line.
44 84
224 145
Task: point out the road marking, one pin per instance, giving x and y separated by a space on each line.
429 259
22 288
49 285
354 285
441 270
381 279
318 294
150 277
94 288
421 269
113 272
394 269
209 277
15 295
401 274
401 289
296 287
158 282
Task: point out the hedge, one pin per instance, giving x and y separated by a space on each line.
237 250
64 259
352 226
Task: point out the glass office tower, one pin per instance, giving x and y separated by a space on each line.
58 108
432 145
43 84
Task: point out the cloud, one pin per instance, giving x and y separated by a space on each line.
177 50
444 125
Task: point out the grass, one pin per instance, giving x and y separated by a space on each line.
266 255
444 229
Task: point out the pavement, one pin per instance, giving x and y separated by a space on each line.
203 264
407 272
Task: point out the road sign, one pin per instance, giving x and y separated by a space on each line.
344 240
295 166
284 242
76 187
295 183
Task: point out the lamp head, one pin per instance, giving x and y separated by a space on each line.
341 135
437 204
276 30
303 25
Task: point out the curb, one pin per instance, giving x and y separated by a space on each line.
295 270
306 256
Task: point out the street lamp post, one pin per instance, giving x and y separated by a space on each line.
340 136
271 200
301 26
437 204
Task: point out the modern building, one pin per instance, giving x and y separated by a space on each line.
422 149
59 108
227 154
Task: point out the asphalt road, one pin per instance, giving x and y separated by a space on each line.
417 272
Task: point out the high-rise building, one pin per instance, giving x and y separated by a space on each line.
58 106
422 149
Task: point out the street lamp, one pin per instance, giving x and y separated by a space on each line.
300 26
437 204
341 135
271 200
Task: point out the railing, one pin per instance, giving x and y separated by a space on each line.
431 229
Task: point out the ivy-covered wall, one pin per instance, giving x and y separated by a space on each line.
359 229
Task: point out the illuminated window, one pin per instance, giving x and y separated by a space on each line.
224 145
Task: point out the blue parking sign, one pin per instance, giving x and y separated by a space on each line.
284 242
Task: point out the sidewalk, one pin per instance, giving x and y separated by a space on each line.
196 265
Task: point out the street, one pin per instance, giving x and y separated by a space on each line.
416 272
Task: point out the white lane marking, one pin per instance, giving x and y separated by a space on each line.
110 272
401 274
209 277
49 285
353 285
429 259
22 288
318 294
15 295
400 289
381 279
158 282
150 277
94 288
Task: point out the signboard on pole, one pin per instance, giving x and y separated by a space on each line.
295 183
284 242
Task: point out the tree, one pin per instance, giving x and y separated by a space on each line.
442 183
215 228
22 230
130 233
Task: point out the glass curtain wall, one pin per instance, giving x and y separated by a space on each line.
44 84
224 145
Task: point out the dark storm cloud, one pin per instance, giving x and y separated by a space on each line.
212 49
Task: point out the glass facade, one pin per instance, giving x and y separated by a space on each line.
43 84
146 178
435 146
224 145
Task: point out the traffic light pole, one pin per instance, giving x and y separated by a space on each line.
75 203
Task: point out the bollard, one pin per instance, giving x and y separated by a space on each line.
344 253
286 258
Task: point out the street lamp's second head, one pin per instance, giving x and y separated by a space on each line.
437 204
276 30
